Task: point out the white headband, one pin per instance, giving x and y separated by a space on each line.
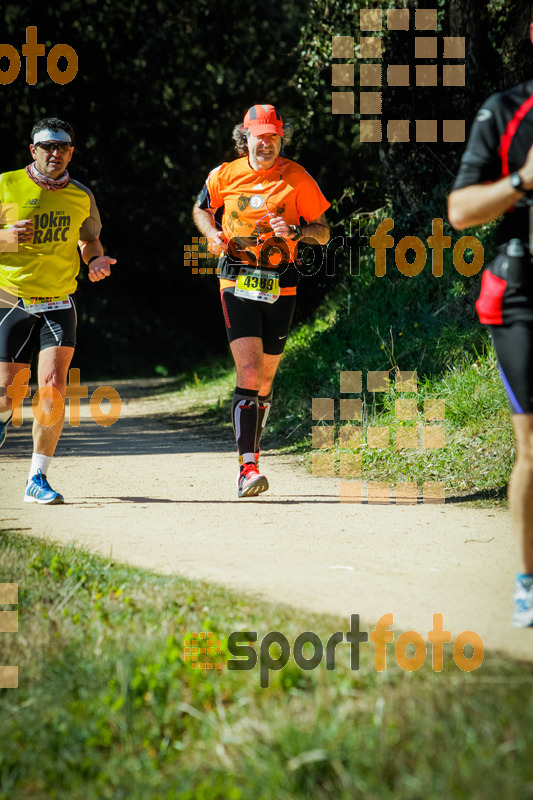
51 136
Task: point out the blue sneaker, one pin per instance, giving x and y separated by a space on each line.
38 490
523 602
3 431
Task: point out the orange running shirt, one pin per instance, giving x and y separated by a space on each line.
249 196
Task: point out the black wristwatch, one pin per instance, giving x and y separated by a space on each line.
296 232
516 182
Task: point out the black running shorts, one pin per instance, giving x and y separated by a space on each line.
514 348
21 332
268 321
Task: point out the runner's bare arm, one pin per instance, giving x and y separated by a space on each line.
24 229
474 205
100 267
203 220
315 231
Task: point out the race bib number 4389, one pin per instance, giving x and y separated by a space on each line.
257 285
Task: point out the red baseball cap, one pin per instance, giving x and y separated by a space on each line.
263 119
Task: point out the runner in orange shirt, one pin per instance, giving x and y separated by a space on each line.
268 203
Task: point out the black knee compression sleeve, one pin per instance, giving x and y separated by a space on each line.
244 416
264 403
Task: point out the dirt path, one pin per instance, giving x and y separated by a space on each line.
156 490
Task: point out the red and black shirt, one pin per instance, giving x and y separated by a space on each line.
500 138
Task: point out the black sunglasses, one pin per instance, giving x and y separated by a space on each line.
63 147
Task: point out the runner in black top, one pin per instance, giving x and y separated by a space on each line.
495 178
499 142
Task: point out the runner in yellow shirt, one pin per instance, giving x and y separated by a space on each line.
269 204
50 215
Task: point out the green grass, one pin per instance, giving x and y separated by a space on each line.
108 707
479 446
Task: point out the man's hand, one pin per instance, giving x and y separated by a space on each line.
100 268
216 243
279 226
24 229
314 232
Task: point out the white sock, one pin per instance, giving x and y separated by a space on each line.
5 416
39 462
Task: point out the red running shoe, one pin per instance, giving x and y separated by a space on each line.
250 481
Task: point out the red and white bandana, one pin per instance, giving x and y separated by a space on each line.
49 184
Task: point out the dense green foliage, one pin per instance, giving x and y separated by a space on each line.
159 88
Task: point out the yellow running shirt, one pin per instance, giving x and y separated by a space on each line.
49 265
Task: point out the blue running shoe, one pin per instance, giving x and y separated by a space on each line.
38 490
523 602
3 431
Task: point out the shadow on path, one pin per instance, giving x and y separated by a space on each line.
157 434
